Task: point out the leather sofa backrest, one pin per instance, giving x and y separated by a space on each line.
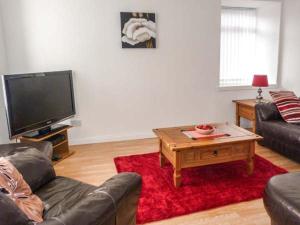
35 166
43 146
267 111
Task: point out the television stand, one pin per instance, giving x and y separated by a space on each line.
45 131
58 136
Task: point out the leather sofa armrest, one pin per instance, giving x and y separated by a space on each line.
281 199
125 188
112 203
267 111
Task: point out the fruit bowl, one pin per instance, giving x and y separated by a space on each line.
204 129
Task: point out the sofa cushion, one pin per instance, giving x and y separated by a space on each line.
72 202
289 133
14 186
288 105
61 194
282 199
34 165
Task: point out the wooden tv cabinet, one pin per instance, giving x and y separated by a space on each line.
61 149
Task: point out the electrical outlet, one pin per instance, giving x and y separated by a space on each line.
76 123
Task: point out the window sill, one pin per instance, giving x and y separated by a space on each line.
240 88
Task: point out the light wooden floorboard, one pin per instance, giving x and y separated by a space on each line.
93 164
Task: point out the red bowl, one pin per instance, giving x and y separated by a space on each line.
204 129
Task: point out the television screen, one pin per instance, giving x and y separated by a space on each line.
37 100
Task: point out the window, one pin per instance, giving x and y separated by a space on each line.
249 41
238 35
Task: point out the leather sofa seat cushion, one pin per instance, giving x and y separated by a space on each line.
70 202
62 194
289 133
34 165
282 199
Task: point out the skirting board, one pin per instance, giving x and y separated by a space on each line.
110 138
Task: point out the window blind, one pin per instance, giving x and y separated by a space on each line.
238 36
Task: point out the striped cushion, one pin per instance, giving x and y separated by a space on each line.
288 105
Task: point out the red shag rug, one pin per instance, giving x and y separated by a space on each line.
202 188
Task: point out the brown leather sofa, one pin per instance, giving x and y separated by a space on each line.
278 135
67 201
282 193
282 199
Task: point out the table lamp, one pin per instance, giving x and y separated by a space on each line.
260 81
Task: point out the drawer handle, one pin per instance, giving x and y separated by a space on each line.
215 153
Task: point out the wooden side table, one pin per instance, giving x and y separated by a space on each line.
246 109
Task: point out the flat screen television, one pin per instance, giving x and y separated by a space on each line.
35 101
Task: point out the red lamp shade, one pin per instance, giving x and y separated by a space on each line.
260 81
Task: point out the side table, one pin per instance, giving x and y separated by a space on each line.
246 109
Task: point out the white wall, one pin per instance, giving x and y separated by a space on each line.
290 66
124 93
3 128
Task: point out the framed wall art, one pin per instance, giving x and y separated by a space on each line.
138 30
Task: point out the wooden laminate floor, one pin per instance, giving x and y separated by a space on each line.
93 163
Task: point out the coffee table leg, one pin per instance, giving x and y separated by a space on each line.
177 177
250 166
162 158
250 160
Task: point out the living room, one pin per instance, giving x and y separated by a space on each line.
124 94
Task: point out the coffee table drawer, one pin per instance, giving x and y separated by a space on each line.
216 154
220 152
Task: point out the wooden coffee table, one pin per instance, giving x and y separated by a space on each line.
184 152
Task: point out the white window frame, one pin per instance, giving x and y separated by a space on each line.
273 10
